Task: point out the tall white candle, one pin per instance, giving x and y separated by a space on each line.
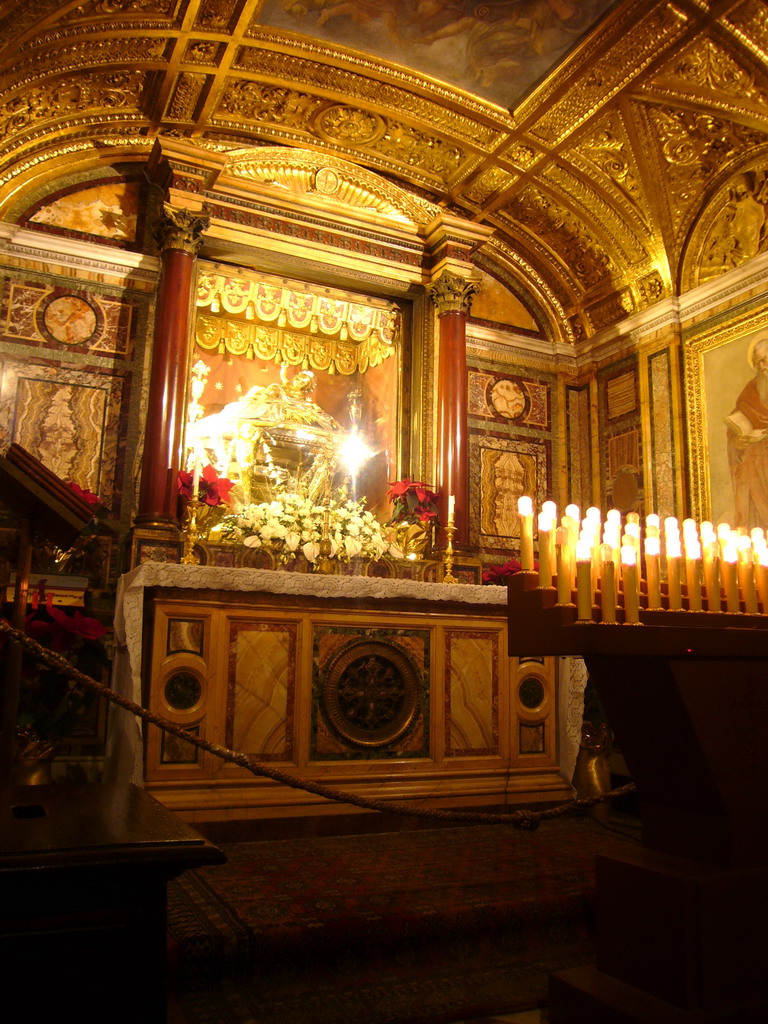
545 555
674 593
746 575
652 549
692 574
630 584
728 572
562 560
451 507
525 512
583 581
196 478
607 584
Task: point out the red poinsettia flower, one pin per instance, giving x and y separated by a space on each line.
211 489
62 629
214 490
87 496
413 501
497 575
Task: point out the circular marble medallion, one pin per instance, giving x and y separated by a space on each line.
370 693
70 320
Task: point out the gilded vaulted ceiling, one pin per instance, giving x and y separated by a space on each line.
600 143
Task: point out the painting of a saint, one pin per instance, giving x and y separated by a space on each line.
747 441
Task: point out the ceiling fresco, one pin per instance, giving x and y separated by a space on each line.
632 171
496 49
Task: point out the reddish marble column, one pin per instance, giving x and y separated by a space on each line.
178 235
452 296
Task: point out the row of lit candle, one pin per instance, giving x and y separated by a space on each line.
599 557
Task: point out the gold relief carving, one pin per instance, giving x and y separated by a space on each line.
552 291
695 146
577 328
298 171
451 293
624 62
738 230
413 148
100 7
651 288
611 310
216 15
495 179
253 101
523 155
118 89
564 233
749 21
708 66
596 207
349 126
366 90
607 150
180 229
88 52
185 96
201 51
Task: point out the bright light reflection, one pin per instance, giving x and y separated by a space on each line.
354 453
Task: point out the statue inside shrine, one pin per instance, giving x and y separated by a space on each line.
275 438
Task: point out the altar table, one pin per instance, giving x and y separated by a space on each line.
393 689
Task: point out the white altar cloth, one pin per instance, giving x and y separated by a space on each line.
124 755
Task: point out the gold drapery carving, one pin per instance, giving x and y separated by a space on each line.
286 323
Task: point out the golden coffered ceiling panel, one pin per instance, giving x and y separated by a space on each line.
598 167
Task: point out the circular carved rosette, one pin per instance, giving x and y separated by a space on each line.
370 693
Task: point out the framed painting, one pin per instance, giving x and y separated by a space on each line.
726 375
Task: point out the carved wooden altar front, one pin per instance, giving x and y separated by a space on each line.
392 689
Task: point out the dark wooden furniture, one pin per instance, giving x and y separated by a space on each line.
83 874
681 924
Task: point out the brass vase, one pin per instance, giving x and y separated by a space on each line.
413 539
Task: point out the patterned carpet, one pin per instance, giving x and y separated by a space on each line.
420 927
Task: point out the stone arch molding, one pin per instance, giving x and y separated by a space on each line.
732 227
306 175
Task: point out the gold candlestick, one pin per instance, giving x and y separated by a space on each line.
450 529
190 533
324 560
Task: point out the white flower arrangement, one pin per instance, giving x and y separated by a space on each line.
293 524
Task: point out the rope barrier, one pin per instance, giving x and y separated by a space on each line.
523 820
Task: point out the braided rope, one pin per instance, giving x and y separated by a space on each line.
524 820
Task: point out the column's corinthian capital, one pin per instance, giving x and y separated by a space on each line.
179 228
451 293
